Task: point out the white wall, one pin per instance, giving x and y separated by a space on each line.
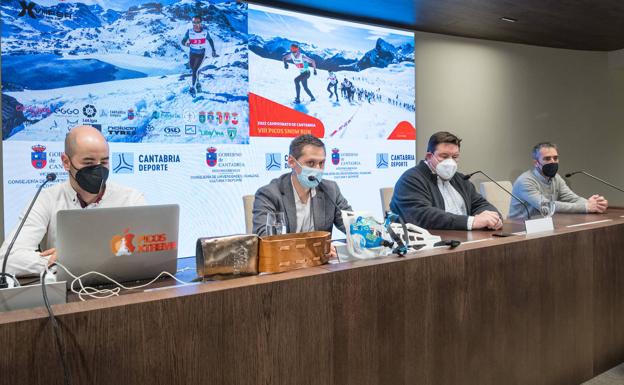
503 98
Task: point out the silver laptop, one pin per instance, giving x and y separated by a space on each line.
26 297
125 243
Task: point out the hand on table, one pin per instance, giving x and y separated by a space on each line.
487 220
332 252
597 204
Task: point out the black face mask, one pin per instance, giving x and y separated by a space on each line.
550 169
91 178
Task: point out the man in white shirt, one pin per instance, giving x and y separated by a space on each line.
86 159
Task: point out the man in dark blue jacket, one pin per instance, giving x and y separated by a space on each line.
433 196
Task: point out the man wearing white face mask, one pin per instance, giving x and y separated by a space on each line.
432 195
302 194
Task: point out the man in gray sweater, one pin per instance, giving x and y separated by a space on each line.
543 183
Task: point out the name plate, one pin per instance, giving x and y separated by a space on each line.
539 225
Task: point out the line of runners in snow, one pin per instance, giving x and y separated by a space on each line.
347 89
197 37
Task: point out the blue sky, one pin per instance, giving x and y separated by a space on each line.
320 31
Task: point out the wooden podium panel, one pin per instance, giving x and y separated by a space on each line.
541 309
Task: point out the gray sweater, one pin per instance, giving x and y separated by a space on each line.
531 186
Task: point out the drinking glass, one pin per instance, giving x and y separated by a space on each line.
547 205
276 223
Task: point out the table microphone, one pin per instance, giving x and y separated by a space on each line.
312 178
523 203
3 282
593 177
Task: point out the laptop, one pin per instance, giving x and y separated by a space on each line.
26 297
125 243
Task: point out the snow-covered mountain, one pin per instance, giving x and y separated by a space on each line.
120 60
150 29
381 56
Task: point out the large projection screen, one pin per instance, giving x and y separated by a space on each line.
120 66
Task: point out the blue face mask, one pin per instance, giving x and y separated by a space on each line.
306 173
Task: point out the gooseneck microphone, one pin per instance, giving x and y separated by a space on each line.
594 177
523 203
312 178
3 282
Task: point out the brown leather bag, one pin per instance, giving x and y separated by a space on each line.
293 251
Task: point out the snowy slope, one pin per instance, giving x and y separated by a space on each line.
162 94
376 120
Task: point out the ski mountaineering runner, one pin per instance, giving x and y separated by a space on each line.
300 61
349 89
196 38
333 83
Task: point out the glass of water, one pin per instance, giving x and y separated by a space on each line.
547 205
276 223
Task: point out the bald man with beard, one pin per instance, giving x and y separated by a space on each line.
86 159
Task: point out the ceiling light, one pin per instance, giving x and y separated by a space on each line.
509 19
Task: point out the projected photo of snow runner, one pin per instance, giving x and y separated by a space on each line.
141 71
358 81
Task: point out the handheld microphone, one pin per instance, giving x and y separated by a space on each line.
593 177
523 203
450 243
3 282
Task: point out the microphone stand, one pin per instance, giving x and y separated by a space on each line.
594 177
3 282
523 203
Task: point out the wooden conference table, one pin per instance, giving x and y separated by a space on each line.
540 309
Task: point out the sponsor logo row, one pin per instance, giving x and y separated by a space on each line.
123 162
91 114
273 160
150 130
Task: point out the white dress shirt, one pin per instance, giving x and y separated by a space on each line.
453 201
305 220
41 223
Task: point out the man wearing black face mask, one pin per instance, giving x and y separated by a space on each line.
543 183
86 160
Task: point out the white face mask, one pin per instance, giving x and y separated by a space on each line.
446 169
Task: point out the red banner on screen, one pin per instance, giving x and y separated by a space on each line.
270 119
403 131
